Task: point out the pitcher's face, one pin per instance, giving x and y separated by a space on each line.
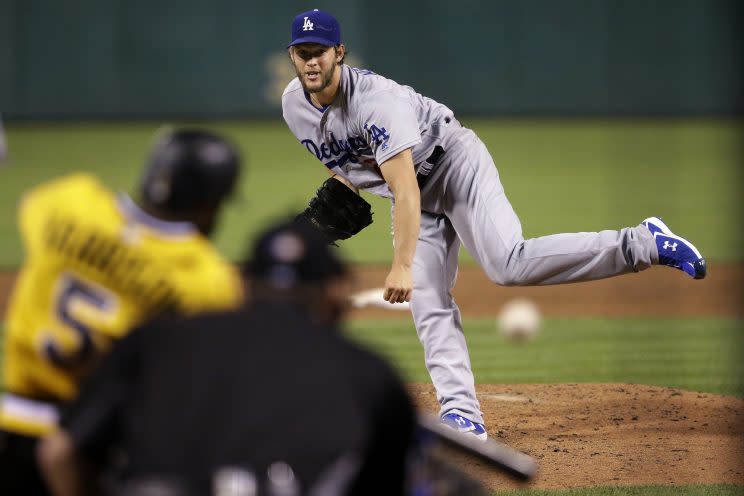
315 65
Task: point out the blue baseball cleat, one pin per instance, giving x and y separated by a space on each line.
465 426
676 251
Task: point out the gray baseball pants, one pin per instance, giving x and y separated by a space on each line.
464 203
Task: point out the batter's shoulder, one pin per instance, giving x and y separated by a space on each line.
74 193
206 281
71 187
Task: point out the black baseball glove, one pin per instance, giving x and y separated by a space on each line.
336 212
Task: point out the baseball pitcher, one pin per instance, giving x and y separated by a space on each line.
374 134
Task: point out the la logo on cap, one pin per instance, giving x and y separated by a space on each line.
315 26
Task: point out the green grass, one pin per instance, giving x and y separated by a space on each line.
692 490
699 354
560 175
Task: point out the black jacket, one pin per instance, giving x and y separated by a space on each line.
184 397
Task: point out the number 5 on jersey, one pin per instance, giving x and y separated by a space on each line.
79 307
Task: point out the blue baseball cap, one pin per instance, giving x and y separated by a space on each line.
315 26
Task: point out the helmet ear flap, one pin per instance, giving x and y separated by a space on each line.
160 182
157 185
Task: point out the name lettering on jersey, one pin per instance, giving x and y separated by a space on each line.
307 25
110 256
347 150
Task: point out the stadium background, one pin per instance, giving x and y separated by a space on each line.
597 113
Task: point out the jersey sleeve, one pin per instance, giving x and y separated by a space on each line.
389 124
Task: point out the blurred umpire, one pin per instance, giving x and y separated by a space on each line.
267 400
97 265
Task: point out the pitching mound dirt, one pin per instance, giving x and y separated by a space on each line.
610 434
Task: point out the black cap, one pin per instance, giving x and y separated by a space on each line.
291 254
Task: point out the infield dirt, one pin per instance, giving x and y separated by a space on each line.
658 291
609 434
599 434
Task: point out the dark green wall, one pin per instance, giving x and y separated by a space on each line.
138 58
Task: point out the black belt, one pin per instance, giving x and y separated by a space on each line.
428 166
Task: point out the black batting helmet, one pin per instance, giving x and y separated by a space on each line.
189 169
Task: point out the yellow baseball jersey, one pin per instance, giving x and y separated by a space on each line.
96 266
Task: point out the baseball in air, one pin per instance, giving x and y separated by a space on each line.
519 319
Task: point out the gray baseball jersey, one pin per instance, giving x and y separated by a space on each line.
379 119
463 202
